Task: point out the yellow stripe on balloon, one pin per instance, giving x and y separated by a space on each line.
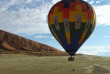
60 17
68 37
55 11
72 16
78 9
84 34
93 16
51 19
57 39
92 20
84 17
95 19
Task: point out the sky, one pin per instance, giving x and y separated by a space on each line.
28 18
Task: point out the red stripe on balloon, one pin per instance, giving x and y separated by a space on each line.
48 17
72 6
66 13
60 7
77 2
89 15
91 9
84 8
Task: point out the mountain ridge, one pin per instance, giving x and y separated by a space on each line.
11 43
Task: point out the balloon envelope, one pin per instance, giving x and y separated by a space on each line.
71 22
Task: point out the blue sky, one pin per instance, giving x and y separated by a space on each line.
28 18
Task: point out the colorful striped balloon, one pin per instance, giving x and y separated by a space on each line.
71 22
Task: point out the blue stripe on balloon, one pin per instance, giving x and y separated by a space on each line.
63 40
76 37
73 47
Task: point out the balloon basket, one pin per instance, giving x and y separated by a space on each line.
71 58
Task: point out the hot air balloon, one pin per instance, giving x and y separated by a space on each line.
71 22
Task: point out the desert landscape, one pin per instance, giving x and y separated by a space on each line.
31 64
19 55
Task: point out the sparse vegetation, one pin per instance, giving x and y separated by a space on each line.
30 64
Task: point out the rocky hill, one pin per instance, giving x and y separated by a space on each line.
11 43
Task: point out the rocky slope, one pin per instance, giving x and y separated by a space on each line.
10 43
